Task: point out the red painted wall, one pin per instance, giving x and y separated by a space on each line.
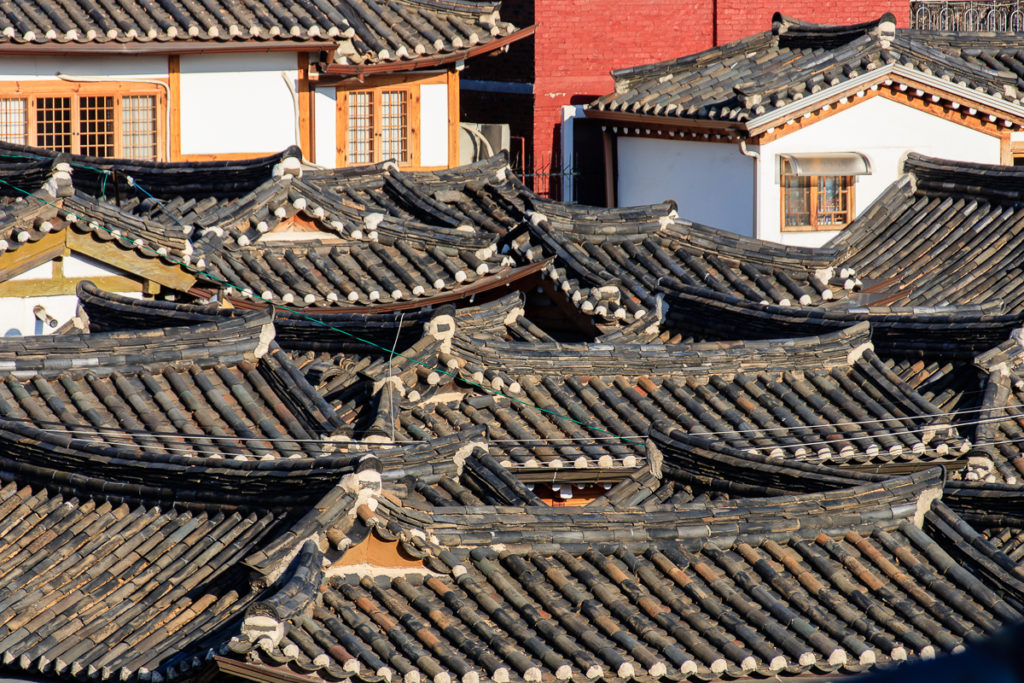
578 42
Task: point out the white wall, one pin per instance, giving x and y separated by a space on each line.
113 67
434 124
879 128
19 320
237 103
325 134
711 182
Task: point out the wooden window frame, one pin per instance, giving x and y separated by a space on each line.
412 92
848 183
32 90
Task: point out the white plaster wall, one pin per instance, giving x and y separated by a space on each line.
434 124
77 265
325 135
237 103
112 67
879 128
711 182
19 321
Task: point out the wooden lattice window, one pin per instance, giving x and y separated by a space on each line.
815 202
379 125
394 125
361 132
95 119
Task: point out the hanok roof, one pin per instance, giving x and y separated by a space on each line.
778 586
751 84
931 264
368 31
218 389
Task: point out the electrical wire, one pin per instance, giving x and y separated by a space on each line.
392 353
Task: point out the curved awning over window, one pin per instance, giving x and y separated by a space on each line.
828 163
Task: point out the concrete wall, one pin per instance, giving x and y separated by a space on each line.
236 103
879 128
711 182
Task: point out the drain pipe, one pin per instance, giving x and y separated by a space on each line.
756 156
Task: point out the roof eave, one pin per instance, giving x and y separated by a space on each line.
167 48
736 127
362 70
1010 111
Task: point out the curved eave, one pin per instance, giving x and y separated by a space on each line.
166 48
668 122
362 70
501 279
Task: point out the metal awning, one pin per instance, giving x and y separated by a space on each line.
828 163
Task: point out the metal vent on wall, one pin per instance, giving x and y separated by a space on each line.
481 140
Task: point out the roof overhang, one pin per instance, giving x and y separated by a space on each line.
360 71
828 164
994 108
167 48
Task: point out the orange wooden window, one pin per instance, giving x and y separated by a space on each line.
815 202
96 119
378 125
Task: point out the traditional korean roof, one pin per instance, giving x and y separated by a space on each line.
218 389
784 586
931 264
367 31
756 83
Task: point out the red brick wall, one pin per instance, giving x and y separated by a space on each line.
739 18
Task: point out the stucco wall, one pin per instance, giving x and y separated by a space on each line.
237 103
711 182
434 124
47 67
881 129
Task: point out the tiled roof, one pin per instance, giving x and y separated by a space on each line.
368 31
781 586
768 75
217 390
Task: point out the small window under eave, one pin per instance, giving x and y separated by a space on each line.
828 164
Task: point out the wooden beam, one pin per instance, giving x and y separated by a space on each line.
305 95
454 117
174 91
29 256
1005 150
172 277
61 286
610 171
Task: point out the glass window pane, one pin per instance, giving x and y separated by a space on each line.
96 126
360 127
796 197
138 127
53 123
833 201
394 125
14 120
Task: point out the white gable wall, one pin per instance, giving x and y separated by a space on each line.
881 129
712 183
238 103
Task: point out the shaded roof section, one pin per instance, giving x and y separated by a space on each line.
768 75
368 31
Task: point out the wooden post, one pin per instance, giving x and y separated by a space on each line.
610 172
174 92
454 116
